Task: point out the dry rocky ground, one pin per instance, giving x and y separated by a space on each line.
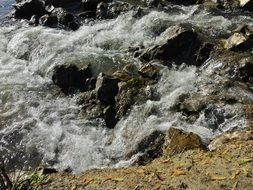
229 166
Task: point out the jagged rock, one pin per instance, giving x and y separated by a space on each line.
179 46
130 93
239 42
151 147
27 8
151 70
106 88
179 141
70 78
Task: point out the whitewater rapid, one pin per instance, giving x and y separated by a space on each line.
39 125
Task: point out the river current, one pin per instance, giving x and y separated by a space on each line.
39 125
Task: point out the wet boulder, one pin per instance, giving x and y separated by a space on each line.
151 146
178 141
109 115
71 79
64 18
27 8
110 10
179 45
131 92
106 89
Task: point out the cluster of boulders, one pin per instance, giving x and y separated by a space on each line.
111 96
66 14
69 14
221 4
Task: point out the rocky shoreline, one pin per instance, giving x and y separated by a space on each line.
172 159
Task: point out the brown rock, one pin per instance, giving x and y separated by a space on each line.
180 141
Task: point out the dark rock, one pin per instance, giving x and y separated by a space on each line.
110 117
151 147
46 171
70 78
27 8
73 6
65 18
90 5
106 88
179 46
179 141
245 71
203 53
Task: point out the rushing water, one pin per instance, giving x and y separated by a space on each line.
36 121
